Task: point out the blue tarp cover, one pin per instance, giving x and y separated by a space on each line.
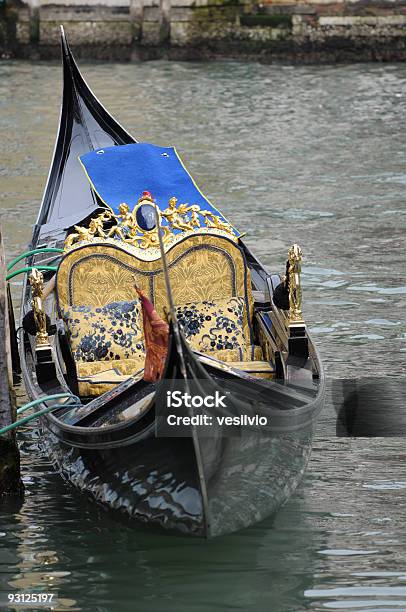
121 173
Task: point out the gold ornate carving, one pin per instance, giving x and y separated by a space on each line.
185 217
182 217
294 283
125 222
214 222
86 234
178 217
36 280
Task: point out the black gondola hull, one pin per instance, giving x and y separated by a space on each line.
151 481
201 485
196 485
156 480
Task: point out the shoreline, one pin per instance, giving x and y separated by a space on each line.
313 31
297 56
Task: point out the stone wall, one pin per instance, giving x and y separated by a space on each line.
304 30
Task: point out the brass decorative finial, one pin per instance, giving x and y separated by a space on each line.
294 284
36 280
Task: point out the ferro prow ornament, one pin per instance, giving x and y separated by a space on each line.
298 342
44 366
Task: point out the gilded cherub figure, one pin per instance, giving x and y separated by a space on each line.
125 223
194 215
177 216
96 226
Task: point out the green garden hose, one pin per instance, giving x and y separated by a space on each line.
39 413
46 398
33 252
28 269
31 417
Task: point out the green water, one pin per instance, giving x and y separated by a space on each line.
314 155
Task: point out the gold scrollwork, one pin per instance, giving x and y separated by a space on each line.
294 284
183 217
36 280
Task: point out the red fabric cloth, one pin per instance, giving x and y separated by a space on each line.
156 337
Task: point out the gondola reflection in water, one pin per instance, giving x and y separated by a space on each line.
122 214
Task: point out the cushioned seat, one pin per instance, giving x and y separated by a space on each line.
106 333
95 378
201 267
215 325
209 280
105 339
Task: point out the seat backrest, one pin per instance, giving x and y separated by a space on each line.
201 267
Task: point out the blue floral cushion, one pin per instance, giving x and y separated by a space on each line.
106 333
212 326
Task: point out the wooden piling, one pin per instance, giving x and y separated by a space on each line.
136 11
10 480
164 21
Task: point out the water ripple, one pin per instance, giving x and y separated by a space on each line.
307 154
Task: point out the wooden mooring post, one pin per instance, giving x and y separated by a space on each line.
164 21
10 480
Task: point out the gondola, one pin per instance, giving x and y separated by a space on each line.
116 212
